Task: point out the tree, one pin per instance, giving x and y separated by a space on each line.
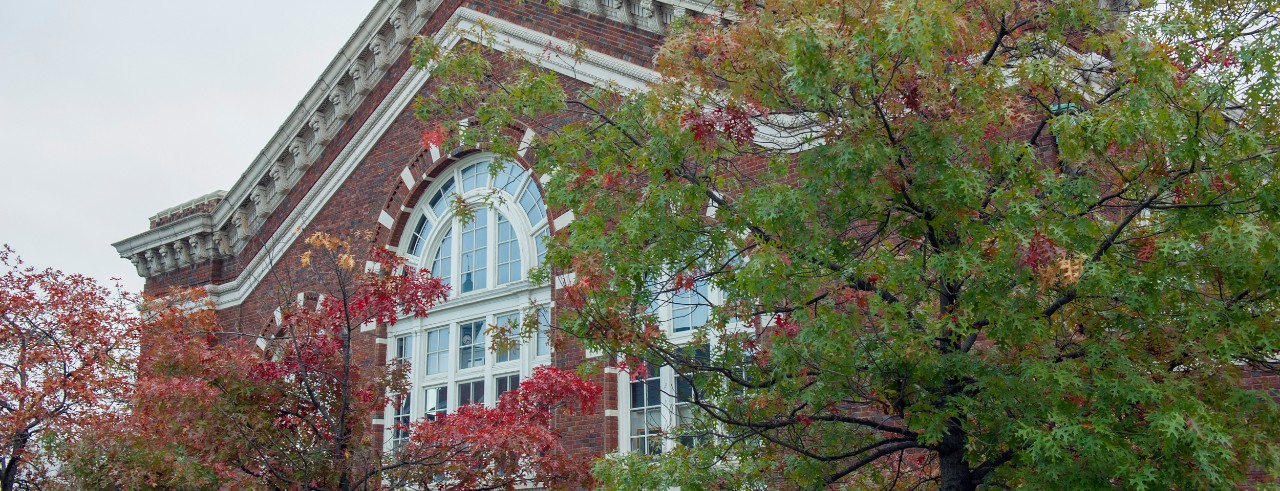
970 244
294 408
65 344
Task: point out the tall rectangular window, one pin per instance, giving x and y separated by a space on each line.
471 344
511 353
400 424
437 402
686 386
689 308
542 341
470 393
475 241
684 413
437 358
404 348
646 413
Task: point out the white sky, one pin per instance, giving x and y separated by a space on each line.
111 111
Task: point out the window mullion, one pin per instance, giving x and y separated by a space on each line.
490 359
668 405
455 357
491 248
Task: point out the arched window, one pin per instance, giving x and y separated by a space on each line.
499 237
480 231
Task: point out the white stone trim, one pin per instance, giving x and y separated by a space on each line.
566 279
406 175
182 228
594 67
315 97
564 220
526 141
597 68
386 219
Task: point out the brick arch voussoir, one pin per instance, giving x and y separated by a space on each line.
421 172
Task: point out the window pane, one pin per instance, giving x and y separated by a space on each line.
543 342
646 428
684 390
404 348
542 246
509 178
531 201
508 252
475 176
475 239
646 392
440 201
471 344
689 309
417 241
689 437
506 383
437 351
442 265
470 393
437 401
513 353
400 423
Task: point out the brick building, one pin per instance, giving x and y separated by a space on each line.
350 157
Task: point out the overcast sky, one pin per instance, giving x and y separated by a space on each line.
111 111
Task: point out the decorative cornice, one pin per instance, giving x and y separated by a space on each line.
591 67
236 214
202 203
594 67
300 127
383 35
180 229
220 224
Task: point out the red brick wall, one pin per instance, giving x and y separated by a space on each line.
399 146
376 185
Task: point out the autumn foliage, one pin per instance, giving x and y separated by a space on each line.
66 344
294 408
945 245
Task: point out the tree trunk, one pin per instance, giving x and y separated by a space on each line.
18 450
10 475
954 472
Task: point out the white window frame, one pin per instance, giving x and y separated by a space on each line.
489 304
451 322
442 355
664 310
490 201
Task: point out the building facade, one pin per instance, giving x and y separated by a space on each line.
350 157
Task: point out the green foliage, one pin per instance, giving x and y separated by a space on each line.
961 244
